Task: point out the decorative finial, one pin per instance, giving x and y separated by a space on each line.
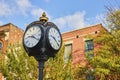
43 17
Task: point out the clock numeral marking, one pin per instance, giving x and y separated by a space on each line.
39 34
54 31
26 41
59 41
32 44
28 44
38 30
30 30
33 28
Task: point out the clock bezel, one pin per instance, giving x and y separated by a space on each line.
47 36
29 26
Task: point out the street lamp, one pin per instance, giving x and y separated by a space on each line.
42 40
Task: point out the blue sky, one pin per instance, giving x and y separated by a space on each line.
66 14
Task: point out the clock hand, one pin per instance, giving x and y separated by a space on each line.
55 40
33 37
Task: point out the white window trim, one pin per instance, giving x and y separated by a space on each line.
68 42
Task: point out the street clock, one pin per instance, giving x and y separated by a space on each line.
53 38
42 39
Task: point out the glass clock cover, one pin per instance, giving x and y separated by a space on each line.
32 36
54 38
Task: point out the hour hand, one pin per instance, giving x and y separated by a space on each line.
34 37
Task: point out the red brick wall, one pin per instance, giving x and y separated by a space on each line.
13 35
2 38
0 76
77 37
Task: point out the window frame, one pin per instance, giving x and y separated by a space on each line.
90 50
68 54
1 45
89 45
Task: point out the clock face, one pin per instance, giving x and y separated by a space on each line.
32 36
54 37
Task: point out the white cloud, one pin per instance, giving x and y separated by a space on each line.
74 21
37 12
17 6
4 9
20 7
23 5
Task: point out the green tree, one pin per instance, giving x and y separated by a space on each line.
106 62
113 19
105 65
17 65
57 69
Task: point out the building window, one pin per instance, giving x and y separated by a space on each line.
89 47
67 52
90 77
0 45
6 35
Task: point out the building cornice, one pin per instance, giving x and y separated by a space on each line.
12 25
95 25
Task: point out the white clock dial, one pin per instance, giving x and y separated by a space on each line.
54 38
32 36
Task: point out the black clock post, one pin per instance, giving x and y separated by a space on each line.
42 40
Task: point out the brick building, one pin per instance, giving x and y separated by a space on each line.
78 44
9 34
75 41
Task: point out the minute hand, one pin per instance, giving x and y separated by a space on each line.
32 37
55 40
35 37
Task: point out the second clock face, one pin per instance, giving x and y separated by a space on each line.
32 36
54 38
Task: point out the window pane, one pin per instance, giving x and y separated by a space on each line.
0 45
89 45
90 77
67 52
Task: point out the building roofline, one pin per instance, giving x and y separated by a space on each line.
16 26
5 24
11 24
83 28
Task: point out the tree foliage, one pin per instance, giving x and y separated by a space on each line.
113 19
105 65
57 69
17 65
